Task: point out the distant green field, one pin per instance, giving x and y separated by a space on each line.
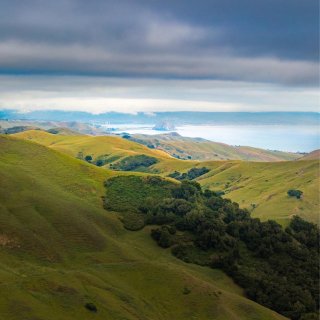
59 249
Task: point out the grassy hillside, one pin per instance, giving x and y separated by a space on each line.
259 186
201 149
262 186
90 145
75 252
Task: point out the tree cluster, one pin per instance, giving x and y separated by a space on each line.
295 193
190 175
135 163
277 267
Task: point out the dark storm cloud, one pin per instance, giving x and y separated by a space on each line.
249 40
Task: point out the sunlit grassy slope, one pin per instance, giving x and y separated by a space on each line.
262 187
59 249
259 186
90 145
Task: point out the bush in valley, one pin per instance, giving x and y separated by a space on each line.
190 175
91 307
133 221
53 131
295 193
102 160
135 163
100 163
276 267
88 158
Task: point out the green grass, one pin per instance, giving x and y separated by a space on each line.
262 187
59 249
90 145
122 195
262 184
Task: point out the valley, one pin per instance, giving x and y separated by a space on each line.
74 252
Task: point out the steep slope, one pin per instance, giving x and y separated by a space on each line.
75 252
201 149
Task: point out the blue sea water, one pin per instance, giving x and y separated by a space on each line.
292 138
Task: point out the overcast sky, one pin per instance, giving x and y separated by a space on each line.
150 55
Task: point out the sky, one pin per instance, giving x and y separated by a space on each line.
152 55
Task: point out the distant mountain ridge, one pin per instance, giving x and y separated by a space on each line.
201 149
179 118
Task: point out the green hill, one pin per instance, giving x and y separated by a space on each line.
201 149
90 145
61 250
262 186
259 186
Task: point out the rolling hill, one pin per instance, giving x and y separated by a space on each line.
262 187
259 186
314 155
74 252
201 149
95 146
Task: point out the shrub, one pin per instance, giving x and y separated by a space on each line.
295 193
186 290
100 163
133 221
88 158
91 307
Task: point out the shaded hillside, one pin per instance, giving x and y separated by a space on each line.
76 253
201 149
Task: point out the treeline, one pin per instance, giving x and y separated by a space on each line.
277 267
134 163
131 163
190 175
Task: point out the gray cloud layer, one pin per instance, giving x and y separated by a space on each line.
274 41
101 94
